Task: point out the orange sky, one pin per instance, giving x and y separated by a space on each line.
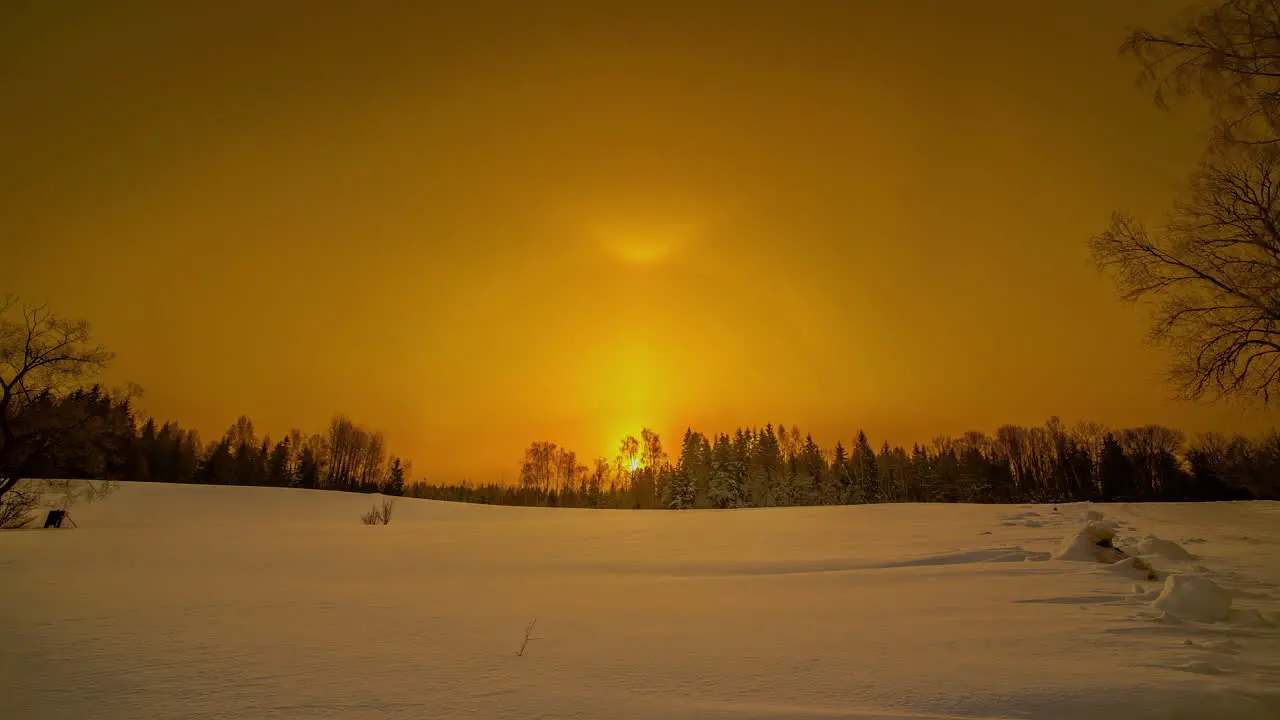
476 224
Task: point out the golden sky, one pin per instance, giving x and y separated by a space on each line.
476 224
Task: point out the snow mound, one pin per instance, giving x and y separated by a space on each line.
1091 543
1134 567
1152 545
1194 598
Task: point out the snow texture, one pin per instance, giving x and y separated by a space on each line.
1091 543
1194 598
1152 545
197 602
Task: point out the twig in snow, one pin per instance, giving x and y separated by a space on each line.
528 636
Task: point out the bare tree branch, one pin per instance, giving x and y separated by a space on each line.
1228 53
41 356
1215 270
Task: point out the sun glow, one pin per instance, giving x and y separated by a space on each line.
635 464
642 244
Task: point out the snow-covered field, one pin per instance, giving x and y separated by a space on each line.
218 602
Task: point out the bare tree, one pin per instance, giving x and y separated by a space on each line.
628 459
1215 272
42 356
651 452
1214 268
1228 53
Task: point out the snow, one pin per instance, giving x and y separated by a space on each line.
1194 598
1091 543
1134 567
222 602
1152 545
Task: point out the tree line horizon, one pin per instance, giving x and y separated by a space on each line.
766 466
55 424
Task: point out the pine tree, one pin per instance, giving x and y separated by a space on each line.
724 490
811 468
243 463
693 471
278 465
765 471
842 474
219 468
1115 472
186 456
308 475
161 455
680 489
144 466
866 474
921 474
395 478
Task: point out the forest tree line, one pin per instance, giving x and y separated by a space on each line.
111 444
774 467
751 467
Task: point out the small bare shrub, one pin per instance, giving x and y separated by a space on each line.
379 515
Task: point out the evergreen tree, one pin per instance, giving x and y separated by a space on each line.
143 452
842 474
866 475
278 465
244 463
765 473
724 490
219 468
395 478
1115 473
922 474
308 475
186 456
679 488
160 454
695 464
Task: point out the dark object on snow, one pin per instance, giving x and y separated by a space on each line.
55 518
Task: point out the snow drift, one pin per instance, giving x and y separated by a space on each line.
1152 545
1092 543
1194 598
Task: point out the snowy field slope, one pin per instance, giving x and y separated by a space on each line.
219 602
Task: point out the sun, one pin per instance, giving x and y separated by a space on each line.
635 464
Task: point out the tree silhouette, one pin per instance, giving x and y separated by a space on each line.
1214 268
42 358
